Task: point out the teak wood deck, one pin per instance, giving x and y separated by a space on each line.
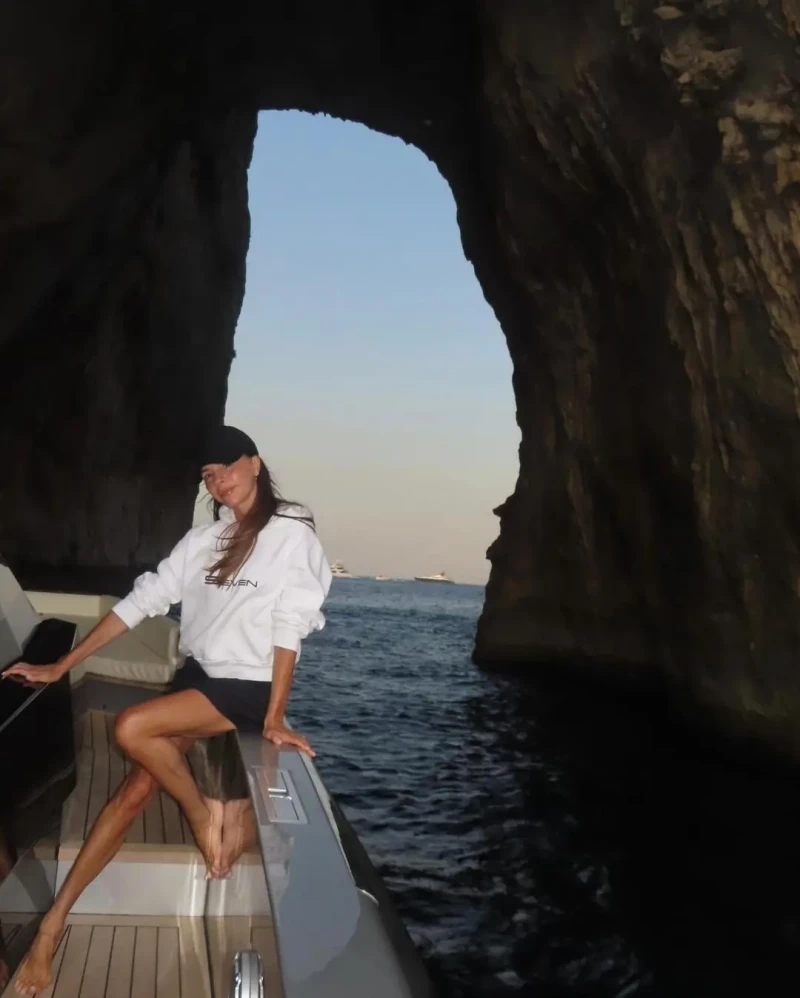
101 769
136 956
149 957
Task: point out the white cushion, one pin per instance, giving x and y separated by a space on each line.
147 654
68 605
17 617
132 671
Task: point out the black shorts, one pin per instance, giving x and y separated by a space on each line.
243 701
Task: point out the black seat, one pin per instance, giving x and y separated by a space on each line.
37 755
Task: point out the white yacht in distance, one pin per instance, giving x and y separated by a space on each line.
439 577
338 571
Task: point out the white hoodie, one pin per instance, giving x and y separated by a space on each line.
232 629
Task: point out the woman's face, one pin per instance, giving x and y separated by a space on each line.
233 485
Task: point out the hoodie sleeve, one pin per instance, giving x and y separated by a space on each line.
308 579
154 593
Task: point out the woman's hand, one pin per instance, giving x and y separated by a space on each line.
279 734
38 673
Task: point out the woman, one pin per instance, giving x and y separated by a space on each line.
251 586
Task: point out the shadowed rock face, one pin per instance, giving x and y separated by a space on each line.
626 175
647 203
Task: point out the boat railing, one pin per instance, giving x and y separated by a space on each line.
334 936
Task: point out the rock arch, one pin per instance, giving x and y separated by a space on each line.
626 175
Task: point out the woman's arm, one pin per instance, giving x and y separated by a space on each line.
110 627
295 616
275 730
152 595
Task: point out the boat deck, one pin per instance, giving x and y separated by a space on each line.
134 957
141 955
101 769
150 957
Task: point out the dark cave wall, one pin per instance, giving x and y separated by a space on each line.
121 361
645 181
124 227
626 180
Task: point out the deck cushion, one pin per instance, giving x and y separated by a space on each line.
147 654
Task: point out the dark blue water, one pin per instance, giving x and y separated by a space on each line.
546 836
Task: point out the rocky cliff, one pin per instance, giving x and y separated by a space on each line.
645 182
626 174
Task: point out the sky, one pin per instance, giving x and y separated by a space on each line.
369 368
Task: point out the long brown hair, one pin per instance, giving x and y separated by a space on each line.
238 540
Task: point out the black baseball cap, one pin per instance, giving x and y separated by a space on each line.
226 445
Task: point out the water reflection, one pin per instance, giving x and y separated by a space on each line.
626 855
551 836
217 768
216 765
237 910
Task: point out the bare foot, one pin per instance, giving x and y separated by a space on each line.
238 832
36 969
208 836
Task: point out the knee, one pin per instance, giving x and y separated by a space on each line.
136 791
128 729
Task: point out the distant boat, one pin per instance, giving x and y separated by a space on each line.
338 571
383 578
439 577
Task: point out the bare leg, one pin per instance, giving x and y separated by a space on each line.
102 844
238 832
145 733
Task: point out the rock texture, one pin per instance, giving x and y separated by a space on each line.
626 174
123 232
647 203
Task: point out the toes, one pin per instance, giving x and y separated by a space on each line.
25 987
